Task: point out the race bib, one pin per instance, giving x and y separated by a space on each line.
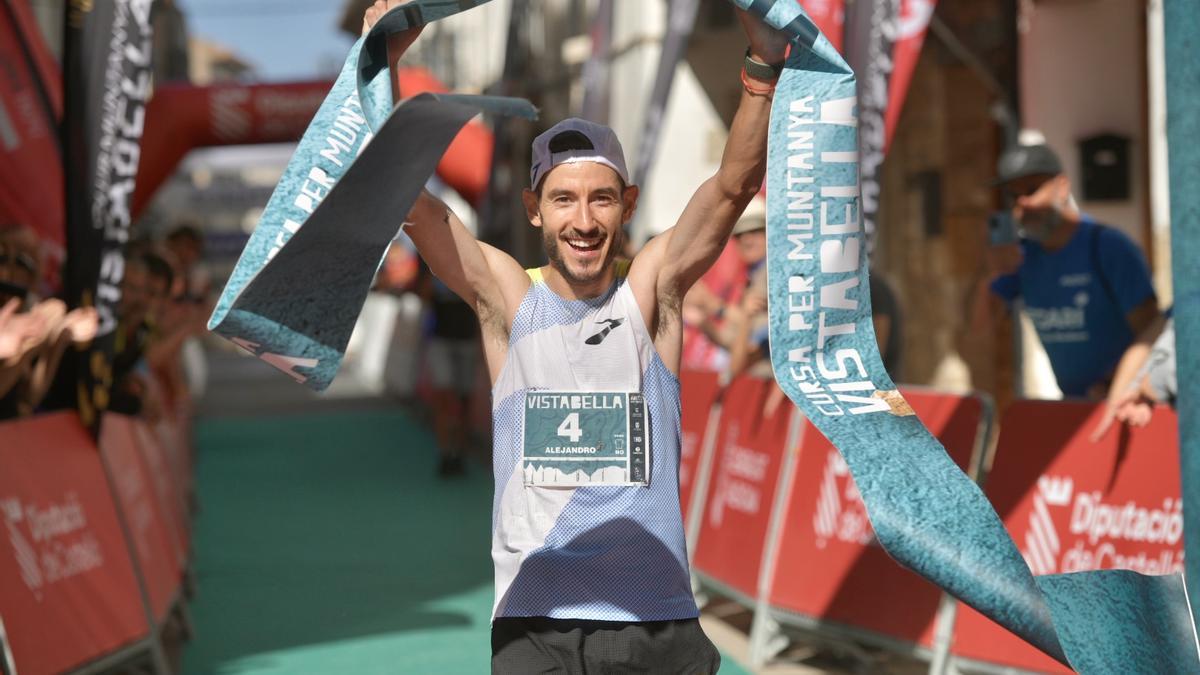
586 438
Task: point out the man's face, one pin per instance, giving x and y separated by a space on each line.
581 211
19 267
142 294
186 252
1038 202
751 246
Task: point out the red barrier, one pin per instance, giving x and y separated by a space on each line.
1074 505
828 565
67 584
165 480
159 556
699 391
751 446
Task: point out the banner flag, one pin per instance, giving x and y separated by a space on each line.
681 17
303 277
29 109
107 54
597 71
927 514
883 41
497 217
1182 26
829 16
911 27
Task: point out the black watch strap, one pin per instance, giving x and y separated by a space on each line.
761 71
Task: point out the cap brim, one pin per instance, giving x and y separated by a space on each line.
999 182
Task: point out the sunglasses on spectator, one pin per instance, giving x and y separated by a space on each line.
22 260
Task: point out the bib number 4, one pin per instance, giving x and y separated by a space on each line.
569 428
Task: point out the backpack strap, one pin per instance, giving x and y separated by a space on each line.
1094 247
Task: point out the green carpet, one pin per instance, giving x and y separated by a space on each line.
326 545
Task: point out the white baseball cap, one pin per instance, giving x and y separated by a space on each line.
575 140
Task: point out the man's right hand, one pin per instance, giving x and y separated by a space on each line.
1003 259
398 43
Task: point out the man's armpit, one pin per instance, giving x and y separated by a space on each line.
491 314
669 313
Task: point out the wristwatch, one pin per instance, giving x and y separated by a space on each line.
765 72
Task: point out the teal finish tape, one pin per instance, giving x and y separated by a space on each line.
1181 27
302 279
927 514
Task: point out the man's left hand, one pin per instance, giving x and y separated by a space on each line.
767 45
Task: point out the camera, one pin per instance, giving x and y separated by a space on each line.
1002 228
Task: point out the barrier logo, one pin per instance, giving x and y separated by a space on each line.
26 557
1042 544
50 543
1093 534
840 512
739 479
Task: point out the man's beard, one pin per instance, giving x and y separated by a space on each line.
558 262
1041 226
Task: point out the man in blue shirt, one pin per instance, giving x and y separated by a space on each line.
1086 286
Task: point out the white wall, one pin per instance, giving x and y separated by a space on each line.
692 135
1082 74
480 37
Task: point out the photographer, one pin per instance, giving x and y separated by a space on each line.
1086 286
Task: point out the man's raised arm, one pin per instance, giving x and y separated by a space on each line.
486 278
684 253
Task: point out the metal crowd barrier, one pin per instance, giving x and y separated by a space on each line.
94 548
775 523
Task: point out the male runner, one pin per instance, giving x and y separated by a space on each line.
583 353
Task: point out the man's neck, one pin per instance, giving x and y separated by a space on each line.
569 290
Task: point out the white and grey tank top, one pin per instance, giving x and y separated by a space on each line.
604 552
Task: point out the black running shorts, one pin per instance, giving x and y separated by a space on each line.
527 645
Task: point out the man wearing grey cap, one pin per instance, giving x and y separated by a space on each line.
583 353
1085 286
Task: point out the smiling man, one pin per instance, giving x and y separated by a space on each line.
583 353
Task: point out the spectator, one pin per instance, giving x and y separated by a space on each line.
20 263
1146 376
452 356
20 334
728 321
888 322
144 290
1086 286
741 325
34 336
177 357
185 244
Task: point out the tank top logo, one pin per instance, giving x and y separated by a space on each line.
599 337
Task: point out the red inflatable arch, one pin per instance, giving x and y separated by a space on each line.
181 117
